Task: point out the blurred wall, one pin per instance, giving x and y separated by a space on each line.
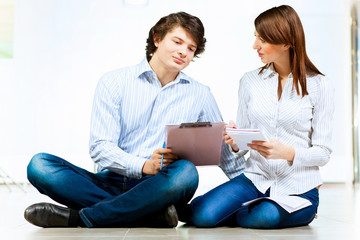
62 47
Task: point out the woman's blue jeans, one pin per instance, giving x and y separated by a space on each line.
107 199
222 206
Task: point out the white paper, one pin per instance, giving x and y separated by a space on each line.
289 203
244 136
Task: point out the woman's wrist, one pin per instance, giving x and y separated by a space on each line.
290 154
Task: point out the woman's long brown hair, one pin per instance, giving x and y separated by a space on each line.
282 25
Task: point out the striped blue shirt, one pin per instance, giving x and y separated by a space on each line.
131 110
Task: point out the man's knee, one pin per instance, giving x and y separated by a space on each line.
185 176
37 167
181 182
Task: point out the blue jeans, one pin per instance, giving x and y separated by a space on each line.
107 199
222 206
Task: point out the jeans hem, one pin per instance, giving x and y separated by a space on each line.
85 219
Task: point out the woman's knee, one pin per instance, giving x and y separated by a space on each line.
207 211
265 215
202 217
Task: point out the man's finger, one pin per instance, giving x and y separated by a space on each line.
163 151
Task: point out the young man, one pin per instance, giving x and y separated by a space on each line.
131 108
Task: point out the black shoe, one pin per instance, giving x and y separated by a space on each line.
166 218
47 215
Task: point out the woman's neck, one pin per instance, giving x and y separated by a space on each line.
283 69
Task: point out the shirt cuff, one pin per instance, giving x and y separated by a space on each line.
135 166
299 157
239 153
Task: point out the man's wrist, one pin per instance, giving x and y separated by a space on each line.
235 148
144 168
147 168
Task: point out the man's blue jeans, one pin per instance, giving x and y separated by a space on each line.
222 206
107 199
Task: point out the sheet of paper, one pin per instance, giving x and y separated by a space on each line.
289 203
244 136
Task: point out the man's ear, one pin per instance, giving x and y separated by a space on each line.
156 40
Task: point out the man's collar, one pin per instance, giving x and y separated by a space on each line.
144 68
183 78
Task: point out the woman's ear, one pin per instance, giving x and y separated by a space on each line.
287 46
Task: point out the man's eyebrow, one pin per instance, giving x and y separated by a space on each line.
178 38
195 46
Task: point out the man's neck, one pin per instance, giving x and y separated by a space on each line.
164 75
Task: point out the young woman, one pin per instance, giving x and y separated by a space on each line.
291 102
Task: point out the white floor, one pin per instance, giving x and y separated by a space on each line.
338 218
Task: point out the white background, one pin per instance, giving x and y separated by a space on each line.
62 47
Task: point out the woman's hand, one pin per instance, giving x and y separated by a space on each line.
152 166
228 139
273 149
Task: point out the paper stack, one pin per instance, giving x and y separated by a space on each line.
244 136
289 203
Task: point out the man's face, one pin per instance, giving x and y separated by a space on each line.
176 49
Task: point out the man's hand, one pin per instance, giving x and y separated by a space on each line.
152 167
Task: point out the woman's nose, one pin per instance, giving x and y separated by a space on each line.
255 45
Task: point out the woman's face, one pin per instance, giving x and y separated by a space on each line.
270 53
